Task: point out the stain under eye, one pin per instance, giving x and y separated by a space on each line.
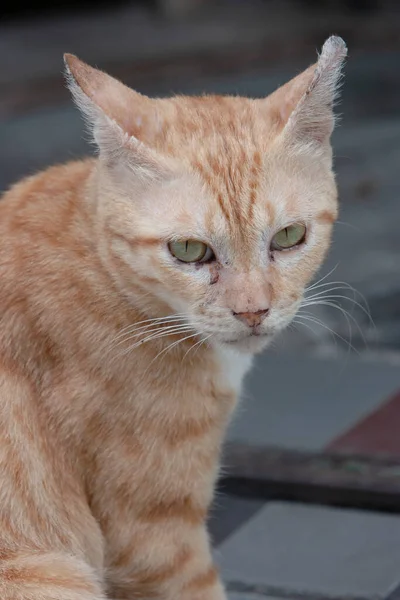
289 237
191 251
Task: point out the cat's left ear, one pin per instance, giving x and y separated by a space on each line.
304 106
123 122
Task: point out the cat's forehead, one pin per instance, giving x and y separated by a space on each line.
224 141
215 126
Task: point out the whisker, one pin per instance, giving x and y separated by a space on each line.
346 316
322 278
145 328
153 321
344 312
318 322
154 337
168 348
348 225
346 286
131 335
327 290
316 300
198 344
298 322
350 333
204 341
175 344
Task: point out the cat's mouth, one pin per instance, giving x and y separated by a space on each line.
254 333
259 336
251 342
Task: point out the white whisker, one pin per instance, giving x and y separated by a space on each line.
330 297
322 278
321 324
198 344
298 322
150 330
149 322
327 290
168 348
344 312
344 285
154 337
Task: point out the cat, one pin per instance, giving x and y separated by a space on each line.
135 289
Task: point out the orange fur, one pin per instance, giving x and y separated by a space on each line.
119 366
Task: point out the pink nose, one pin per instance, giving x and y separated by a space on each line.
252 319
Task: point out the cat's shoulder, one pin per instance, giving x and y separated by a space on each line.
54 180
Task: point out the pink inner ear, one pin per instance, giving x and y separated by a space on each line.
284 113
285 99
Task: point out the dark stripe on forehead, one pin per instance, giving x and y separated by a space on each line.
253 182
232 174
222 206
233 188
210 179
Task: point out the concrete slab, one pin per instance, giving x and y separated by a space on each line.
253 597
228 513
376 435
308 549
305 403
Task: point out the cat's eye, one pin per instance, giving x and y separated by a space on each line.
289 237
191 251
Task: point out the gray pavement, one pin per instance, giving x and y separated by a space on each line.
293 551
302 403
251 596
297 550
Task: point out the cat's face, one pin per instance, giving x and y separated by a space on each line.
224 211
221 264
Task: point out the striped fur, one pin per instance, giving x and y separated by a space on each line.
119 367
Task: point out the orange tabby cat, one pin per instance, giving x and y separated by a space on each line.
134 290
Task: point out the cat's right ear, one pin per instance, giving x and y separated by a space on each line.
122 121
303 107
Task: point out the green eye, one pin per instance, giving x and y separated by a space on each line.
291 236
190 251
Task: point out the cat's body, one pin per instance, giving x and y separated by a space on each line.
119 367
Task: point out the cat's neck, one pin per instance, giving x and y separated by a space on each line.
234 366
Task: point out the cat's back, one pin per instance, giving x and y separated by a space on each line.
43 220
42 213
42 200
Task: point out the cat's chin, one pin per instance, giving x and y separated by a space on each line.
252 344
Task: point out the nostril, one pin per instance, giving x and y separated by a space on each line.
252 319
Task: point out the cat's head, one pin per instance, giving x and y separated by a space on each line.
221 208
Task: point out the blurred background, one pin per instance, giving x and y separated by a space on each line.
162 47
319 428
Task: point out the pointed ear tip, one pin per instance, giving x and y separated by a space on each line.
335 47
70 60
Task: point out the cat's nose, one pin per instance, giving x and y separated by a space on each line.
252 319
